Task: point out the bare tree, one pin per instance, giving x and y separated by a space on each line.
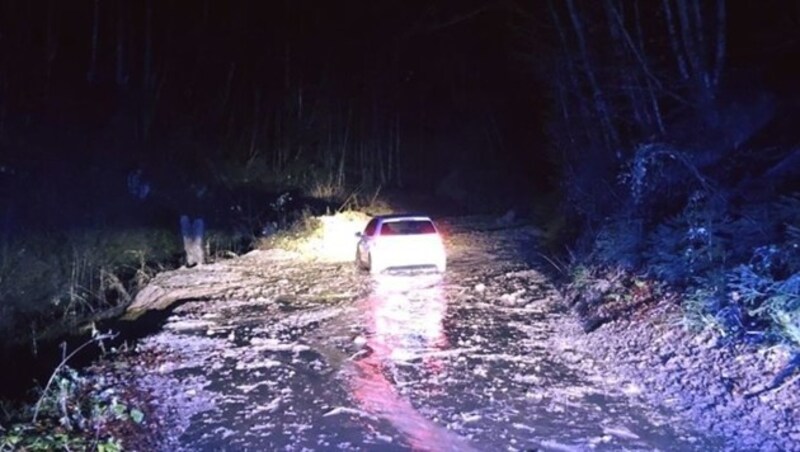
602 108
51 43
613 91
705 69
121 76
91 74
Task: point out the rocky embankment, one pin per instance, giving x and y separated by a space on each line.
746 394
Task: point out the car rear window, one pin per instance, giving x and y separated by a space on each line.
371 226
409 227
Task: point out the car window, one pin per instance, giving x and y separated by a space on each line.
371 226
408 227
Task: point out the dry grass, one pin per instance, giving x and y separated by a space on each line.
58 277
327 238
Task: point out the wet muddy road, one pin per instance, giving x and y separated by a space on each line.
319 356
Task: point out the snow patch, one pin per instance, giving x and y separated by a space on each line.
527 379
555 445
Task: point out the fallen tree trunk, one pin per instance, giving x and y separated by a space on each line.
242 276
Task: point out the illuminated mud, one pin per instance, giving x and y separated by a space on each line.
329 358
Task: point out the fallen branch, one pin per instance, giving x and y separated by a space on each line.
96 338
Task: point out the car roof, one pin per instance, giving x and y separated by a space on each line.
402 216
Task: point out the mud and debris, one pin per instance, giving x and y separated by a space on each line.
317 355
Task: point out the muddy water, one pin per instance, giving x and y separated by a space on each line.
452 371
402 325
406 361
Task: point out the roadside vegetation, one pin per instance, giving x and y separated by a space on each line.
735 270
326 237
61 274
678 183
49 282
75 410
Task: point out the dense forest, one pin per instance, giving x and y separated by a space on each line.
306 94
672 128
648 136
117 117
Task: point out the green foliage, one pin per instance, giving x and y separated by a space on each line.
260 173
581 276
705 305
769 304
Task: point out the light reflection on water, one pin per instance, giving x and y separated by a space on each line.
404 317
406 314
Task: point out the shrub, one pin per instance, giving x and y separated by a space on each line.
687 246
748 284
737 265
74 412
658 168
771 305
620 242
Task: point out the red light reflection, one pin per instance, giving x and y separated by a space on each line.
404 318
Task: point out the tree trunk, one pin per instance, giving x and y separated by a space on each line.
397 142
51 44
340 176
91 74
719 60
659 122
121 78
601 106
149 88
147 73
674 42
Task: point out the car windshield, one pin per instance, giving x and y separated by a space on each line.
408 227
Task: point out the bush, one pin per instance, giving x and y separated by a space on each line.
689 245
659 174
74 412
737 264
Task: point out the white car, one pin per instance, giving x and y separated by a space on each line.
399 241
